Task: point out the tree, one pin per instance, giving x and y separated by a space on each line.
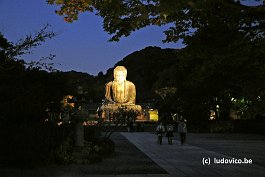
224 54
27 89
121 17
23 82
120 117
229 71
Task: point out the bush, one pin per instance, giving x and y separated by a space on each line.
107 146
96 147
99 148
29 145
63 154
91 133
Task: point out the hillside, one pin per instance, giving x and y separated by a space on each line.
144 68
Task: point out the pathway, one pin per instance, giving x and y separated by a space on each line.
187 161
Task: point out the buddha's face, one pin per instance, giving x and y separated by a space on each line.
120 76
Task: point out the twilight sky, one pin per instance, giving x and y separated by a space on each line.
80 46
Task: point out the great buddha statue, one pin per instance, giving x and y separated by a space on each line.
120 92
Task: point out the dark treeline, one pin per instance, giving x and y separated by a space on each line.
190 81
185 81
27 90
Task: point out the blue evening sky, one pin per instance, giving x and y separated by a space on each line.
80 46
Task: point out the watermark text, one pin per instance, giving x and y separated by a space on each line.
225 161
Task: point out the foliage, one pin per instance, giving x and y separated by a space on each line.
22 84
119 118
95 150
121 17
27 90
29 145
223 57
93 86
14 51
96 147
165 92
64 151
107 146
224 74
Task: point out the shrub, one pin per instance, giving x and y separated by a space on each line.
29 145
107 146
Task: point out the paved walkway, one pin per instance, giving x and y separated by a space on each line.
187 161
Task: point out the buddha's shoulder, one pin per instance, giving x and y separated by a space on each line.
109 83
130 83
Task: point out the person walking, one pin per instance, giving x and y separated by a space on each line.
182 129
160 129
170 134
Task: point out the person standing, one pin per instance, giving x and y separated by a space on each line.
170 134
182 129
160 129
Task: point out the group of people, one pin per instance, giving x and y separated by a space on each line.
169 129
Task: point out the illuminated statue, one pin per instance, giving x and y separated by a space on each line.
119 93
120 90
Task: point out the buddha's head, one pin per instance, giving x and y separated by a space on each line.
120 73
